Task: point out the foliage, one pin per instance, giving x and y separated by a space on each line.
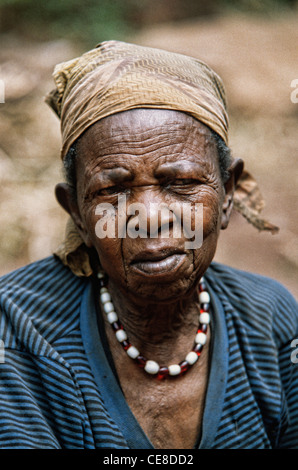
91 21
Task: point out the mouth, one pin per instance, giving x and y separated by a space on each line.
158 262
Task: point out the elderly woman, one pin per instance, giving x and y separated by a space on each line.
130 336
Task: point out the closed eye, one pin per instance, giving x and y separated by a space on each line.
182 183
111 191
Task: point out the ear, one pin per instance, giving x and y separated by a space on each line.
235 171
66 200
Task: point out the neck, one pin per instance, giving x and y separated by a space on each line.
161 331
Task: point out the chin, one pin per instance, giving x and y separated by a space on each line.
163 288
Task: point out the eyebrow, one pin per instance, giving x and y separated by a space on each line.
109 175
117 175
172 169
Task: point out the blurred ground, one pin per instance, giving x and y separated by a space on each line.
256 57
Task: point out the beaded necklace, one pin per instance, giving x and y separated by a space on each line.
149 366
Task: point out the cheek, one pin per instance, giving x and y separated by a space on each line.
101 231
211 218
109 251
208 213
211 228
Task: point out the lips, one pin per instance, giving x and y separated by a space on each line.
158 262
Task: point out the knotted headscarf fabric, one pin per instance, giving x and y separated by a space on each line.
117 76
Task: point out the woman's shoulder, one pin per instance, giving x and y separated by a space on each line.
40 298
241 281
260 301
39 279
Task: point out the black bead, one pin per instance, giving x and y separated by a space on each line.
205 307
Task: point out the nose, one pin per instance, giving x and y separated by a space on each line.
150 217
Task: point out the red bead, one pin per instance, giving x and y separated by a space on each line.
202 286
198 349
125 345
162 373
184 366
205 308
141 360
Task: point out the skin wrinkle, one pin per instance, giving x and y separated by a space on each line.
158 174
153 161
160 314
140 138
93 169
167 199
172 324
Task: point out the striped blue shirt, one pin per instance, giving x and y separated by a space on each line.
58 391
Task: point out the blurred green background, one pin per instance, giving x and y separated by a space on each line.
91 21
252 44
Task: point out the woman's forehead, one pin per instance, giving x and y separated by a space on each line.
145 142
141 130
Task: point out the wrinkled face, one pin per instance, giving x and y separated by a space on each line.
153 158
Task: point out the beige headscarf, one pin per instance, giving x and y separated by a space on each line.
116 76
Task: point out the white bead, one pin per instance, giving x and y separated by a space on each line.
191 358
174 369
121 335
204 318
105 297
103 289
108 307
112 317
151 367
133 352
204 297
200 338
100 275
